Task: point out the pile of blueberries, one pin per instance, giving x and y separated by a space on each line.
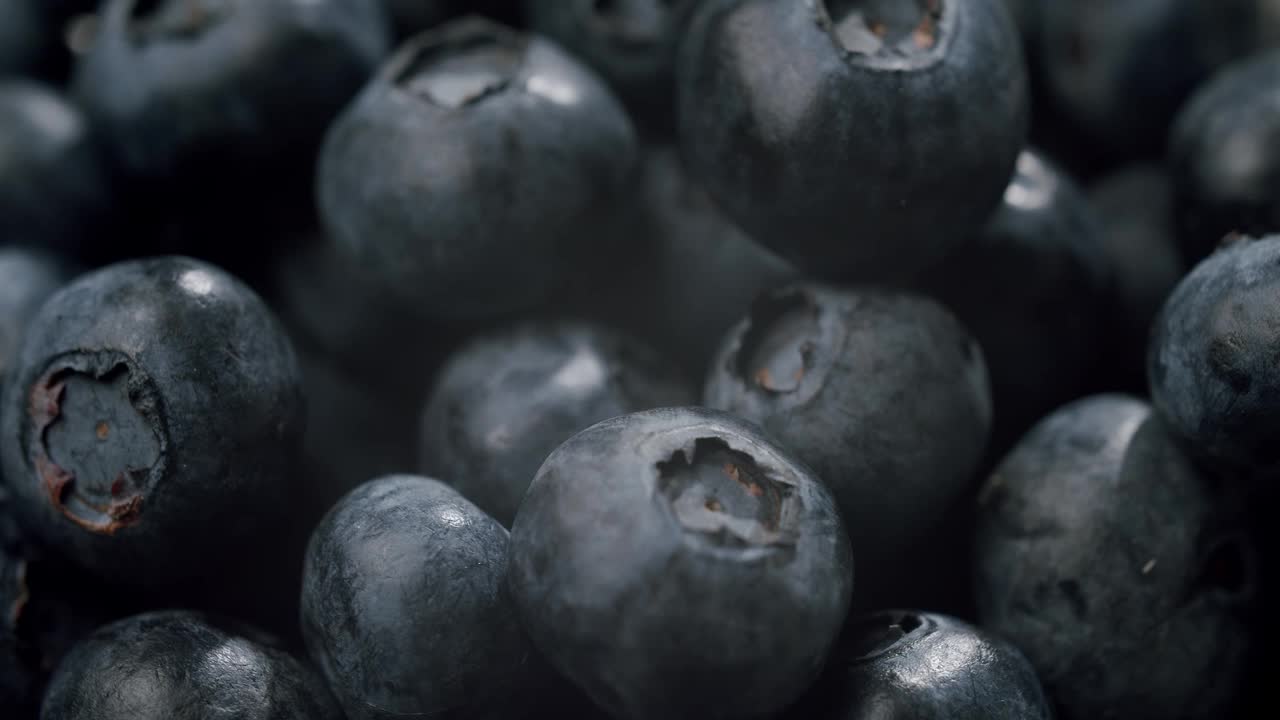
832 359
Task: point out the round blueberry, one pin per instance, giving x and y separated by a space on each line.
54 188
1032 287
632 43
178 664
1105 557
674 563
884 394
1224 155
1212 360
150 420
1135 207
193 90
404 605
506 400
862 138
924 666
465 173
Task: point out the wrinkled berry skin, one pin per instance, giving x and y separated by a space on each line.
150 420
664 554
404 605
1031 287
1135 208
924 666
506 400
883 393
54 187
192 90
465 174
1224 155
27 278
857 164
1212 360
631 43
184 665
1105 557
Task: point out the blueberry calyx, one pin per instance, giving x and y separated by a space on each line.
887 33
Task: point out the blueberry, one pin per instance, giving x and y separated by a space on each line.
179 664
861 138
883 393
1224 155
1212 360
54 187
27 278
674 563
684 274
506 400
924 666
405 607
632 43
1032 286
465 173
214 93
150 419
1135 206
1104 555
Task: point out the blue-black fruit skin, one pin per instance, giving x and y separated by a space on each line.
184 665
653 620
209 363
255 87
845 169
632 44
54 184
477 211
1107 558
405 607
892 413
1212 365
940 668
1031 286
502 403
1224 155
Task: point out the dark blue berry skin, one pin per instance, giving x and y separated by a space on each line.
185 666
674 563
1135 208
150 421
1224 155
924 666
1032 287
196 97
850 155
466 175
506 400
405 607
631 43
1212 360
54 186
883 393
1106 557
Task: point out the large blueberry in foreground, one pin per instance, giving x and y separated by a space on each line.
505 401
884 394
674 563
1104 555
923 666
466 173
857 138
405 609
1212 364
1224 155
150 420
184 666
